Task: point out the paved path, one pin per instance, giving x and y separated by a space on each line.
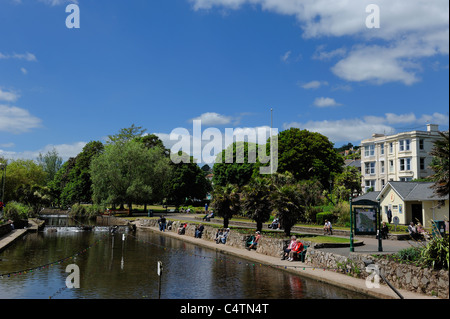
329 277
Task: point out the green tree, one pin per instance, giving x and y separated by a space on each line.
347 183
188 181
51 163
232 170
22 172
440 165
308 155
127 173
287 203
226 202
256 200
126 134
72 183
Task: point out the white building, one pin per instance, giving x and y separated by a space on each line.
401 157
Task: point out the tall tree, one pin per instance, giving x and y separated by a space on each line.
226 202
126 134
188 181
127 173
20 173
256 200
232 170
51 163
440 165
308 155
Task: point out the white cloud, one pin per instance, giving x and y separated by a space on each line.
8 96
357 129
391 53
58 2
19 56
212 118
16 120
325 102
285 57
64 150
23 70
313 85
320 54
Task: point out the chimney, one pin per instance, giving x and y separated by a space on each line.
432 128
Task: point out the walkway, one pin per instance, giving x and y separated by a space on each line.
329 277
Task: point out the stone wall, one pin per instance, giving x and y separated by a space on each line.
5 229
401 276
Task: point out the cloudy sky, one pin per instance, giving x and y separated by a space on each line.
163 64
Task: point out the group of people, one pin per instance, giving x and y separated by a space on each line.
294 248
222 235
417 231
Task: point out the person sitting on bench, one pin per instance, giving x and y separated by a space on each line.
296 250
255 242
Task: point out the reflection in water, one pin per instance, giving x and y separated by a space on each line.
125 267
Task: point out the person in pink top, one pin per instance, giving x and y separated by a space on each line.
288 249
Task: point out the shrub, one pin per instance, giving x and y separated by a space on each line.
341 212
408 254
16 211
321 217
436 253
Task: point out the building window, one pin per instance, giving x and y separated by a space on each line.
382 183
404 145
391 166
422 163
369 150
405 164
391 147
405 179
382 149
382 167
370 184
370 168
421 144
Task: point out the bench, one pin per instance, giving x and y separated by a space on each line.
300 256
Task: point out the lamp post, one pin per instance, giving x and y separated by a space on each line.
351 226
380 245
3 169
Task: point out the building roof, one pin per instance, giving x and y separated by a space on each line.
354 163
367 196
412 191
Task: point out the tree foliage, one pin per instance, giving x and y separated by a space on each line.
440 165
229 169
308 155
128 173
226 202
188 181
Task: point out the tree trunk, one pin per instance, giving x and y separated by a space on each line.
259 225
225 222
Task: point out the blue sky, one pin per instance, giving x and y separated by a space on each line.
161 64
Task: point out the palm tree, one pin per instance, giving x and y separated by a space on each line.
440 165
226 202
287 201
256 200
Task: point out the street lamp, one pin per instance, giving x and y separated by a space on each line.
3 169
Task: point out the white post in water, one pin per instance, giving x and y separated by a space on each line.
159 272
